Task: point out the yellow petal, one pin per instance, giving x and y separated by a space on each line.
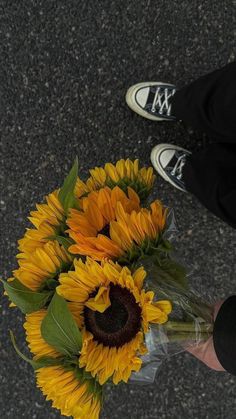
120 167
94 216
164 305
128 166
120 235
136 167
139 276
155 315
101 301
112 172
134 197
105 204
99 175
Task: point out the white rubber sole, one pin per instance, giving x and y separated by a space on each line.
131 102
155 162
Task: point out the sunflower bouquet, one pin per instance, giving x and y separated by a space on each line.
100 288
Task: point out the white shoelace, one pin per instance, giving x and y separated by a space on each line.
177 169
161 100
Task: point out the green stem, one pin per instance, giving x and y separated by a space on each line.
182 337
179 326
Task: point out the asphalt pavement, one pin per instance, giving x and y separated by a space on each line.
64 70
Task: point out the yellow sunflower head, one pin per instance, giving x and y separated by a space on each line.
48 220
139 232
45 263
66 387
113 311
125 173
112 225
89 228
67 393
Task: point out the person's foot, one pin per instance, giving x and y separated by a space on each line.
152 100
168 160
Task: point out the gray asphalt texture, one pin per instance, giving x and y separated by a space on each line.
65 67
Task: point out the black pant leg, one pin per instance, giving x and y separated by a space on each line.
209 104
210 175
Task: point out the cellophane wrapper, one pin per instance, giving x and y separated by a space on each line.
191 320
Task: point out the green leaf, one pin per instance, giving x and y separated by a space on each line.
170 271
164 273
59 329
66 193
27 300
177 271
46 361
41 362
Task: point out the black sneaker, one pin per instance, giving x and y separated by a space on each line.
168 160
152 100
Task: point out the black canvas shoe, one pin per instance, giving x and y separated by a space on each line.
152 100
168 160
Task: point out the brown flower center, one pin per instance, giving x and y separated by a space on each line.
120 323
105 230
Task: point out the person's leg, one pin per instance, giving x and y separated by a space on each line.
209 104
210 175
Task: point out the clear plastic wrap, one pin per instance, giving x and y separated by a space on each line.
191 320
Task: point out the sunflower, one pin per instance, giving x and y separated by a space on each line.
47 220
36 343
89 228
69 393
139 231
43 264
115 227
114 313
71 396
125 173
